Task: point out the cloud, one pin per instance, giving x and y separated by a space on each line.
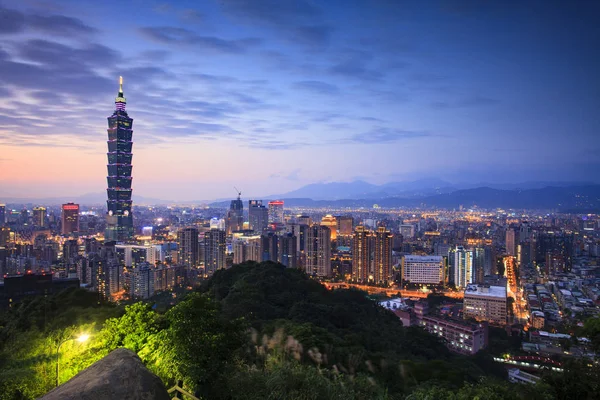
292 176
355 68
473 101
386 135
59 25
298 21
11 21
271 11
317 87
182 36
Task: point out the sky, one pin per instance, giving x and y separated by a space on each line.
270 95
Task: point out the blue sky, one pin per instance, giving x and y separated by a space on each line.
268 95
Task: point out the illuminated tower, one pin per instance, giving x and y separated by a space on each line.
119 220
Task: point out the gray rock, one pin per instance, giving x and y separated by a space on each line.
119 375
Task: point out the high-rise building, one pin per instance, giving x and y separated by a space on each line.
427 270
39 216
463 266
119 219
382 255
276 212
214 250
407 231
269 247
246 248
187 242
288 250
478 264
345 225
235 216
2 214
318 251
331 222
362 254
142 281
70 218
258 216
512 241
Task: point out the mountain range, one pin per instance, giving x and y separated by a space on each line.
424 193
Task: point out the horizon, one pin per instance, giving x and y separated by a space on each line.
84 198
459 91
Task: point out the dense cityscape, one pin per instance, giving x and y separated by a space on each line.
417 290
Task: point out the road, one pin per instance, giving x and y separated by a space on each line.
388 291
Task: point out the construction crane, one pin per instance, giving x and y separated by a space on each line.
238 192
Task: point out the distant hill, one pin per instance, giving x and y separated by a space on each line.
575 199
410 189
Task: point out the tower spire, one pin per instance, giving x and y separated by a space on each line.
120 100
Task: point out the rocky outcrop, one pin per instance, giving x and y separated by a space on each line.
119 375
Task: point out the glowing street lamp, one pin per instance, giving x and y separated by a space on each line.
81 338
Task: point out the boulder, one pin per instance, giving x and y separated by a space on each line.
119 375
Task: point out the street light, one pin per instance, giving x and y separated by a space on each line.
81 338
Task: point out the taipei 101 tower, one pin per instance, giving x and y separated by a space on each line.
119 219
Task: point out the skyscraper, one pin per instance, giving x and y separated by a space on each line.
463 267
235 216
70 218
119 220
276 212
258 217
318 251
362 250
39 216
382 257
214 250
187 242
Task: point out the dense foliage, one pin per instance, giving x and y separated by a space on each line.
259 331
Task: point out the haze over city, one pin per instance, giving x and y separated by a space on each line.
271 95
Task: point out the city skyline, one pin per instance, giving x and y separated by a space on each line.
452 89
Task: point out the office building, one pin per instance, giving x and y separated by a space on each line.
39 216
214 250
362 254
187 243
70 218
258 216
318 251
2 214
462 266
119 218
276 212
382 255
235 216
425 270
486 303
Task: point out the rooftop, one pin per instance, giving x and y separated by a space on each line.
486 291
